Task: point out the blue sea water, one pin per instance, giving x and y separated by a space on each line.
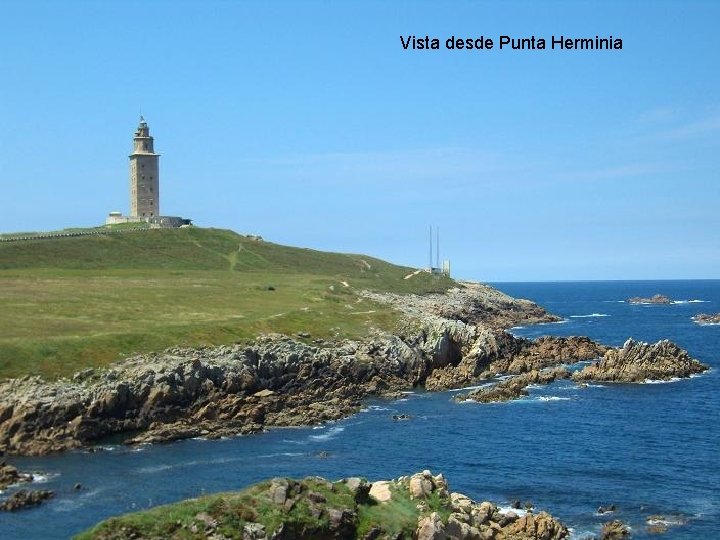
648 449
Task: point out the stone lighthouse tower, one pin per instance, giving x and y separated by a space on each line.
144 175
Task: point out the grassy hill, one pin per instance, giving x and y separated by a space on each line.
75 302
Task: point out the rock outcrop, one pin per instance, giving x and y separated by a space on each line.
515 386
614 530
471 303
417 507
656 299
10 475
705 318
636 361
25 498
499 353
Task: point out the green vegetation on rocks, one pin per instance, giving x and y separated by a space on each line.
75 302
420 507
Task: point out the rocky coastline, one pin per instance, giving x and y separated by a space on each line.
448 341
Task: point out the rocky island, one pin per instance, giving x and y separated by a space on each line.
418 507
656 299
707 319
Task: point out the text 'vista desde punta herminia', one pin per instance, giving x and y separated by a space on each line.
531 43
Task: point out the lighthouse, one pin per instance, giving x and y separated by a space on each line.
144 174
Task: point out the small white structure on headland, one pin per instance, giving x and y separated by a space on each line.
145 185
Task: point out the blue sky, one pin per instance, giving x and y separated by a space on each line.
307 123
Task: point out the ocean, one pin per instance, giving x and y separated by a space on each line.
648 449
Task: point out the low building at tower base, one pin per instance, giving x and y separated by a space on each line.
116 218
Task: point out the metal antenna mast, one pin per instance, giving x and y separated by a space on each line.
431 249
437 245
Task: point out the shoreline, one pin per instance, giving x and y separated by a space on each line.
448 341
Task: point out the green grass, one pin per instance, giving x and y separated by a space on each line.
397 518
231 511
72 303
102 228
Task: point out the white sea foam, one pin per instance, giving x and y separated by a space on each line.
402 399
329 434
689 301
278 454
591 315
41 478
581 534
475 387
668 521
520 512
660 381
553 398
